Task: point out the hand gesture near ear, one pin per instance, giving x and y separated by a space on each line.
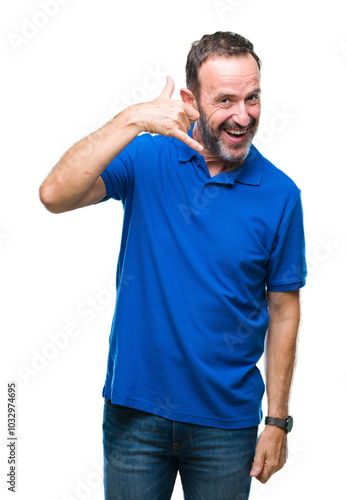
168 117
75 181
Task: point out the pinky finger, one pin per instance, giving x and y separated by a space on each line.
182 136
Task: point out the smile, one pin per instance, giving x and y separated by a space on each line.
235 136
235 132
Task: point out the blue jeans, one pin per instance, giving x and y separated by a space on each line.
143 453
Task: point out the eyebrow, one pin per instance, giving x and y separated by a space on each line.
223 95
256 91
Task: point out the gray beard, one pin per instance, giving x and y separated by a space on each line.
215 145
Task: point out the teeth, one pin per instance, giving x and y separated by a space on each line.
235 132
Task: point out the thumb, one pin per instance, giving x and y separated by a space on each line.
257 466
169 88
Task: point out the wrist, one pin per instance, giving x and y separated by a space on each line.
285 424
278 411
135 118
275 430
278 414
130 119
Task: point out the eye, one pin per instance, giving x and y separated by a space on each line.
253 98
224 102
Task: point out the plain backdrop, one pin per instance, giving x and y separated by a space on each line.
67 68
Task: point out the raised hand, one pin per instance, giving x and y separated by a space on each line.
75 181
168 117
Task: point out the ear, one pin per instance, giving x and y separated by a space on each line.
188 97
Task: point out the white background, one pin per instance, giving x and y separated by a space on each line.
84 63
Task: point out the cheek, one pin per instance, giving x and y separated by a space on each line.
217 117
255 111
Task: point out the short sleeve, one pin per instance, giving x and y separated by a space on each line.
118 176
287 265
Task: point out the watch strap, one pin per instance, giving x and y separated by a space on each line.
279 422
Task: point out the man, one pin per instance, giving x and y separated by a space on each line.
213 242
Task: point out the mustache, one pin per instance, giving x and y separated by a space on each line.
235 126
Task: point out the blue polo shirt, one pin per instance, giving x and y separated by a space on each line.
197 255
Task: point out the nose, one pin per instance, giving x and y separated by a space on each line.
240 114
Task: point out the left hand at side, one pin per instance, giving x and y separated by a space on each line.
270 454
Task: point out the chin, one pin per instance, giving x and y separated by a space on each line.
235 156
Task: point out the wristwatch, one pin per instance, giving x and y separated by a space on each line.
284 423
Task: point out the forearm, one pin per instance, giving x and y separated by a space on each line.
280 351
75 180
82 164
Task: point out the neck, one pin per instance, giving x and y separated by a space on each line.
214 163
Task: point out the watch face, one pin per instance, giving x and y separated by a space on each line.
289 424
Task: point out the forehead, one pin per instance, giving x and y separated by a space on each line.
236 73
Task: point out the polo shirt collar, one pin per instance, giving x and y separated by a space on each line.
249 173
185 152
251 170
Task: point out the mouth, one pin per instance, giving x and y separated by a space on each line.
235 136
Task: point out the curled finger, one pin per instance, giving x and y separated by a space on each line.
182 136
